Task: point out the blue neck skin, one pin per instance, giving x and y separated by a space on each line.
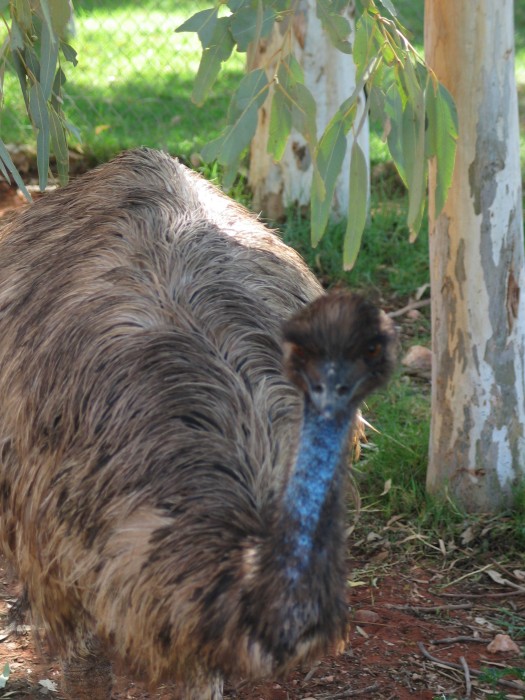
321 447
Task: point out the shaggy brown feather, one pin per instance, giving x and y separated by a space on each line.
147 431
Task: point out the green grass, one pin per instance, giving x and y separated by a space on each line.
133 83
387 261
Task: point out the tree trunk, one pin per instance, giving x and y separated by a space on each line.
477 445
330 76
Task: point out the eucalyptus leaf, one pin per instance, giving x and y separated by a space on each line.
4 171
250 95
210 151
38 110
69 53
56 91
42 156
442 133
280 124
338 5
73 130
389 6
235 5
61 17
329 160
218 51
283 5
365 29
48 61
290 71
357 206
304 109
16 36
252 90
246 28
6 159
38 107
237 138
414 88
413 145
337 27
204 24
32 63
388 53
21 75
46 12
394 111
59 146
376 103
23 14
289 74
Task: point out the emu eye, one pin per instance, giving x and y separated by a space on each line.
373 351
342 390
317 389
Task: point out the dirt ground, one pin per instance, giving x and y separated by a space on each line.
410 636
419 626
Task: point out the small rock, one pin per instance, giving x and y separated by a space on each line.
366 617
503 643
418 362
414 315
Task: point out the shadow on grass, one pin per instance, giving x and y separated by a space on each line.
188 7
137 112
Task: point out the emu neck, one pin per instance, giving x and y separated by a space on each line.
317 471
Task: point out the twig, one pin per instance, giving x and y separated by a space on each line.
462 578
466 671
502 567
459 667
352 693
477 595
461 638
409 307
429 608
311 672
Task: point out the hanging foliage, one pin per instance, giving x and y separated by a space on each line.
417 113
36 47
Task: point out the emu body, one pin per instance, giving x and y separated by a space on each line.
156 497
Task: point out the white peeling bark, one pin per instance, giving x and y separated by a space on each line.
477 446
330 76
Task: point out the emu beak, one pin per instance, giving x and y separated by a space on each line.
326 393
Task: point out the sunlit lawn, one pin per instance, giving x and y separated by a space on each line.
133 82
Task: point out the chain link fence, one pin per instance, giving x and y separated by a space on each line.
133 81
131 85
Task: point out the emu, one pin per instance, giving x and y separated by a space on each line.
177 400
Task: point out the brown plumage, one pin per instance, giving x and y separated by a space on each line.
159 499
